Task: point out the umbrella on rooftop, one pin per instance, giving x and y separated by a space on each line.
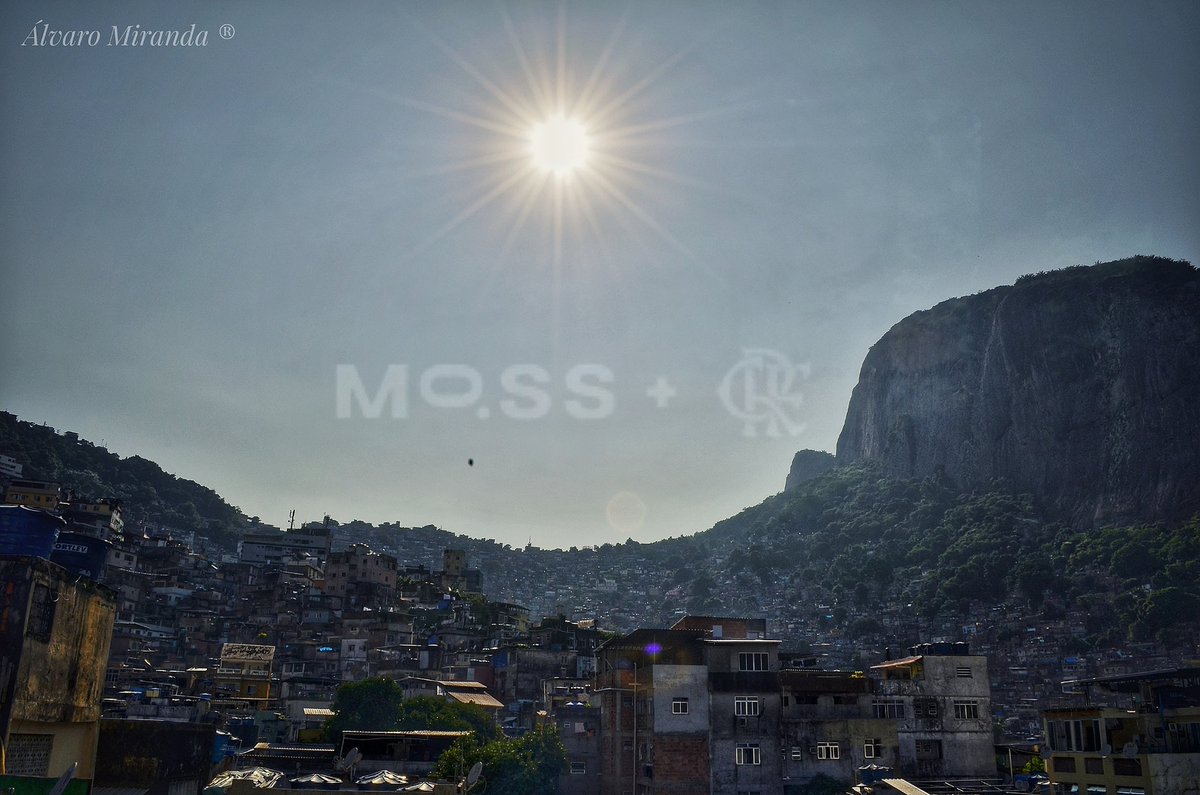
317 781
381 779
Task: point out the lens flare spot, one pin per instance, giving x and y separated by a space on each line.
626 512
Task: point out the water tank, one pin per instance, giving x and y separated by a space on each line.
28 531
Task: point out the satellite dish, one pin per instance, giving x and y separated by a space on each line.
352 758
476 772
1105 749
1130 750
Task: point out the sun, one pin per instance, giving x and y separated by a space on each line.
559 145
564 153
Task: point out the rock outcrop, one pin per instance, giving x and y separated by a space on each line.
1080 386
808 464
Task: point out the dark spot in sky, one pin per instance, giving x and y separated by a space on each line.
470 462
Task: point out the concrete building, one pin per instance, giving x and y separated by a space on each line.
579 729
55 629
1150 745
34 494
829 726
940 697
686 712
245 673
9 467
455 574
358 573
276 546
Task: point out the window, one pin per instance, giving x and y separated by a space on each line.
1093 765
679 706
579 768
745 706
41 613
872 749
966 710
797 752
925 707
752 660
1075 735
929 749
747 755
29 754
1062 764
963 672
1127 767
828 751
887 709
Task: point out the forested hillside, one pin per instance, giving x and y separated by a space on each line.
151 496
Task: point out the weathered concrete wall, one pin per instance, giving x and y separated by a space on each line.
152 754
73 742
58 680
1178 774
680 681
55 630
851 736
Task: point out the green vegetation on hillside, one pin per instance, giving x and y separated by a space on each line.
867 538
149 494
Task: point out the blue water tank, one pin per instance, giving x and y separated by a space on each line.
28 531
81 554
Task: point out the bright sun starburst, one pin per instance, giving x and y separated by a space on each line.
560 145
557 152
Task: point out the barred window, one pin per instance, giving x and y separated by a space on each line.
753 661
41 613
745 706
747 755
887 709
828 751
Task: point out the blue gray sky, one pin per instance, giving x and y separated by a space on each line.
194 239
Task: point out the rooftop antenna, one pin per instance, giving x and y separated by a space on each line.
292 519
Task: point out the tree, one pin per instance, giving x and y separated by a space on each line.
527 765
379 704
370 704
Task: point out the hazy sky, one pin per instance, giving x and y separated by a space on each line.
194 239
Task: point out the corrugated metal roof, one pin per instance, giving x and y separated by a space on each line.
907 787
318 712
480 699
898 663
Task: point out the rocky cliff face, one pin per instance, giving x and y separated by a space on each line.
808 464
1081 386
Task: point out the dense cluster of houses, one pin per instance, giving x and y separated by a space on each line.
107 632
